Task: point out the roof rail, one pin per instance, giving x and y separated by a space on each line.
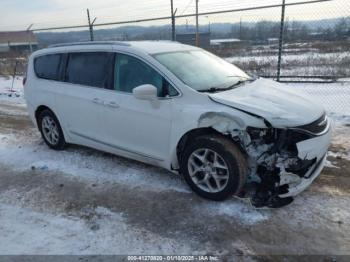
91 43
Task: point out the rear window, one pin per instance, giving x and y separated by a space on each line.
90 69
48 66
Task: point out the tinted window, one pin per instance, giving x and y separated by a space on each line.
130 72
91 69
48 66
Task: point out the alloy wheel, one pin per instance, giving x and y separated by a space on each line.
50 130
208 170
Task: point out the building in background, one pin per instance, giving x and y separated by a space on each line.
18 41
190 39
228 43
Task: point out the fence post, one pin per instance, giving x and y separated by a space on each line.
197 25
280 45
29 38
90 26
173 34
14 75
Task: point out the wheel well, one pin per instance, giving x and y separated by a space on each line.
199 132
39 110
192 134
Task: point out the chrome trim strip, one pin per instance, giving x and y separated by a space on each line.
314 134
115 147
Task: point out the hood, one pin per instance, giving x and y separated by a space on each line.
273 101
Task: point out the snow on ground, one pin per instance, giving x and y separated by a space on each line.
22 154
24 231
11 90
335 97
300 63
288 58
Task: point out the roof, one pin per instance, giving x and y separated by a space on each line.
154 47
150 47
17 37
192 33
220 41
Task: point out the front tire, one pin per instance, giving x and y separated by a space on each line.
51 130
214 167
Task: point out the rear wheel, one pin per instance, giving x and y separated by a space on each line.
214 167
51 130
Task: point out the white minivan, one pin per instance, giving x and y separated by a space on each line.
181 108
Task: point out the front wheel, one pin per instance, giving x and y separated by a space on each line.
214 167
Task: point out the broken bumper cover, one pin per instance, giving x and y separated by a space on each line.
306 182
316 147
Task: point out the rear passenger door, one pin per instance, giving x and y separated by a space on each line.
81 96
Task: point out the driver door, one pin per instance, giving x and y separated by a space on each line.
141 127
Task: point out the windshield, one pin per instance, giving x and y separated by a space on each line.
201 70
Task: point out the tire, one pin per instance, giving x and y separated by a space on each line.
57 141
227 182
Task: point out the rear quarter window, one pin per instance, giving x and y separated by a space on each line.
48 66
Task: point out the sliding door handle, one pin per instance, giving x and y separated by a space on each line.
97 101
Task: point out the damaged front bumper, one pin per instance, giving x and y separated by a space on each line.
284 162
306 181
314 148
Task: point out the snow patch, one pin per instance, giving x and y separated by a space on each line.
87 164
24 231
330 164
239 211
9 93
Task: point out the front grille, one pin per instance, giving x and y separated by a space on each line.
317 126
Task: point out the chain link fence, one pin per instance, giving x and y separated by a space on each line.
315 39
313 47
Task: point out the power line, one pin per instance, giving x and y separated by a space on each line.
187 6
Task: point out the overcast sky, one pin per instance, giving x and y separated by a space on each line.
19 14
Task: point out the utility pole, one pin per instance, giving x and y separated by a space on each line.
197 26
173 33
29 38
91 25
240 29
209 25
280 45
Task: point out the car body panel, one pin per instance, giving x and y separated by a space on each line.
271 100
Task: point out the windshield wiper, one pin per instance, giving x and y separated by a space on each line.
218 89
214 89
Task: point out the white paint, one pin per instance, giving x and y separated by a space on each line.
271 100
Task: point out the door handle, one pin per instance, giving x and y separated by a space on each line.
97 101
113 104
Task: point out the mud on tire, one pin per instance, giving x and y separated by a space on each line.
228 155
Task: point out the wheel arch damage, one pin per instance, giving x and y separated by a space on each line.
208 123
274 161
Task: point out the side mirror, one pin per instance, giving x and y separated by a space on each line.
145 92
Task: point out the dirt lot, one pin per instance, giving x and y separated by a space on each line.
81 201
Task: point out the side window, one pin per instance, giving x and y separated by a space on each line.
90 69
130 72
48 66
